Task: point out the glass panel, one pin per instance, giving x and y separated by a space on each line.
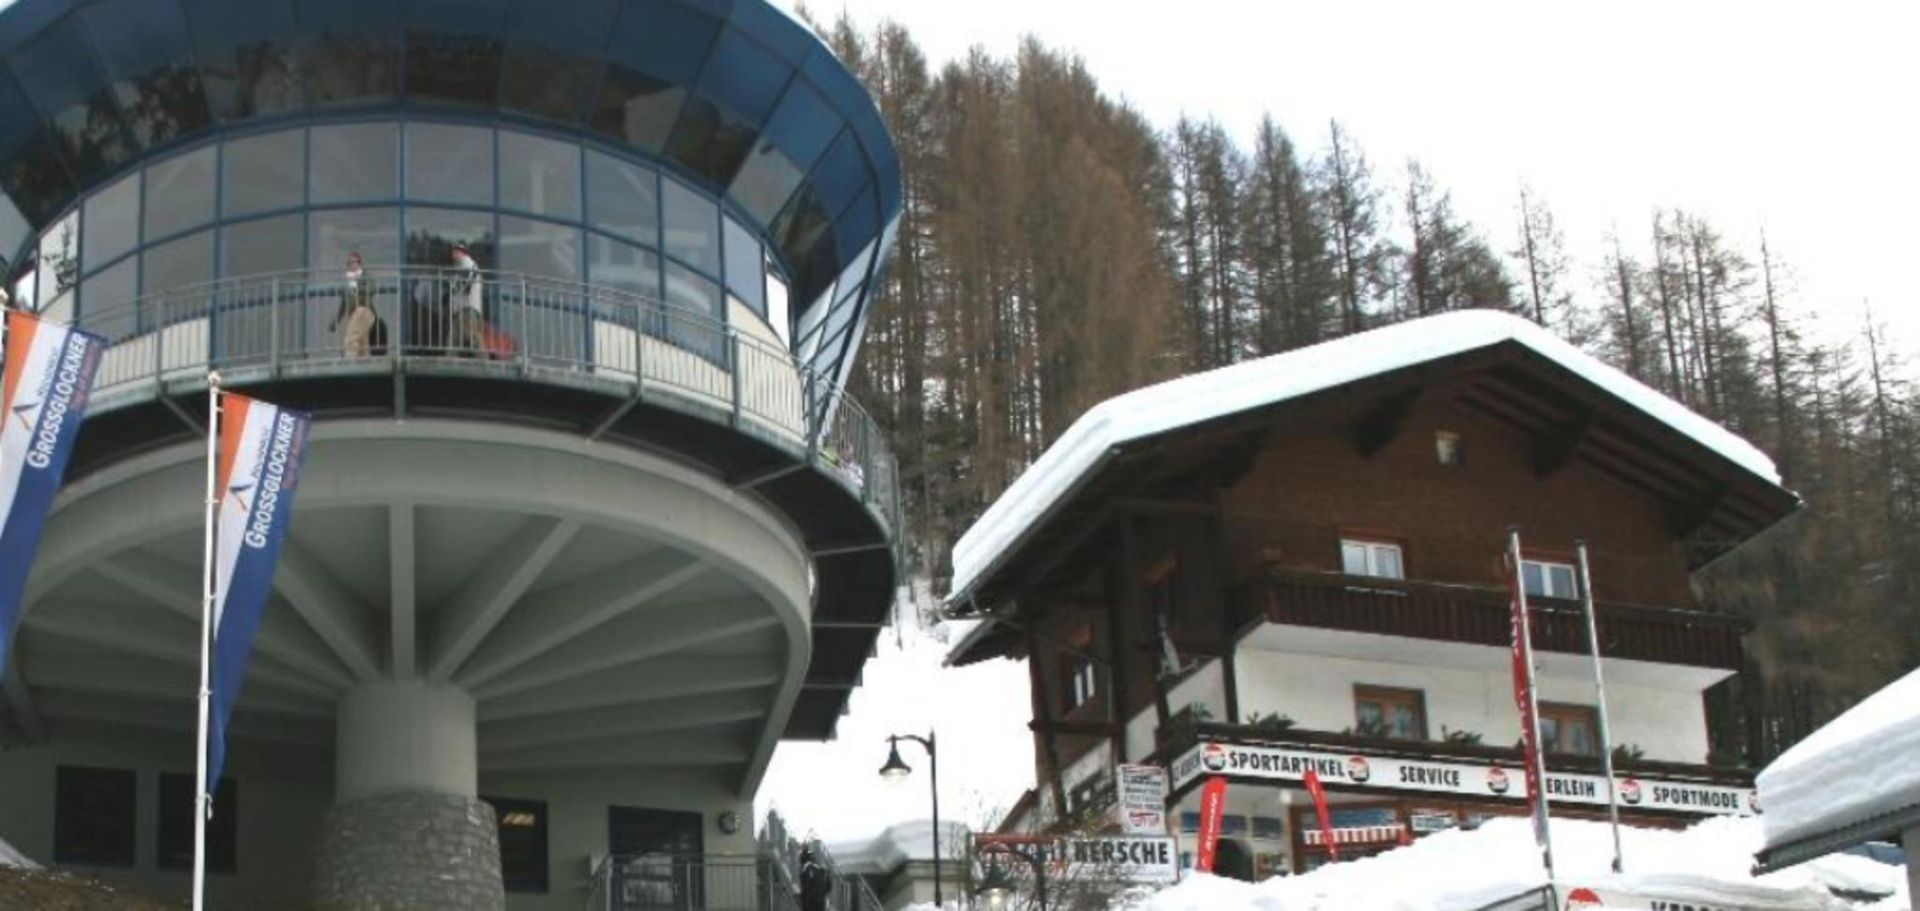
432 234
179 193
244 56
108 301
356 161
454 49
1549 733
746 270
59 259
30 170
94 817
1372 719
434 301
350 49
276 244
765 183
148 54
553 324
1560 580
1353 558
56 69
539 175
623 198
1579 737
545 82
744 76
701 329
14 229
841 174
539 248
112 223
711 140
1406 722
613 264
333 233
665 40
1534 577
692 225
449 163
187 261
1386 562
803 124
636 108
262 173
778 315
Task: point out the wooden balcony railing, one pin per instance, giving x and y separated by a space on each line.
1481 616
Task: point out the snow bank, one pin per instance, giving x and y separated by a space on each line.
12 858
1459 870
1253 384
895 845
1860 765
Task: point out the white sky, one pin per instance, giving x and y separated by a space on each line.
1797 118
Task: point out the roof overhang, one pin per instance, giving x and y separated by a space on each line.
1882 827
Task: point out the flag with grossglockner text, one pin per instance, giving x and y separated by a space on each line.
257 466
48 371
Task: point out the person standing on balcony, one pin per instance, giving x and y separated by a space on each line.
467 329
815 882
356 307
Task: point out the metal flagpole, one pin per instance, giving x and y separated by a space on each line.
203 799
1600 701
1530 708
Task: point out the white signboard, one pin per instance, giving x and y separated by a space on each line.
1394 773
1142 803
1127 858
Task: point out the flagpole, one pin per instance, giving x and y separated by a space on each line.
1536 758
1600 702
203 800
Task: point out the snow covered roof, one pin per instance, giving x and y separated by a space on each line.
1850 781
895 845
1189 400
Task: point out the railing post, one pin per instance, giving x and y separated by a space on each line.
733 341
273 327
525 341
158 330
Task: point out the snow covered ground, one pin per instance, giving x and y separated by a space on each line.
12 858
1871 749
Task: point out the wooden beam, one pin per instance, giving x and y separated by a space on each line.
1560 447
1160 506
1381 425
1076 728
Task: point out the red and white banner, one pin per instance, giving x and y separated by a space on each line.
1319 796
1361 771
1213 809
1523 700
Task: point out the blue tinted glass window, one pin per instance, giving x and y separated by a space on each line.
775 29
260 173
180 193
106 298
148 55
354 161
841 174
245 58
765 182
695 320
540 80
746 270
803 125
350 49
447 163
744 76
636 108
59 265
30 171
111 224
711 141
577 26
692 227
623 198
432 234
177 264
453 67
13 230
540 248
276 244
333 233
795 234
614 264
664 40
539 175
858 225
56 69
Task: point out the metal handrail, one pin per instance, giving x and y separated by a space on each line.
276 323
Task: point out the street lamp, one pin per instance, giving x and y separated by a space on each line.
997 888
896 770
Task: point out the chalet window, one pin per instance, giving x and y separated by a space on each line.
1573 729
1379 559
93 816
175 838
1082 681
1389 712
523 843
1446 448
1545 579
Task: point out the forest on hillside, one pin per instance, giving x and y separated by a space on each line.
1056 249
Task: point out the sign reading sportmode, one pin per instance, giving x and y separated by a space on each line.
1450 777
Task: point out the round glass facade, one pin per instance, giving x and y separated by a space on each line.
692 150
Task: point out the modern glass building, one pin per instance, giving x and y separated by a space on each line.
588 524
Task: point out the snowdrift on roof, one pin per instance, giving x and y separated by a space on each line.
1861 765
1270 380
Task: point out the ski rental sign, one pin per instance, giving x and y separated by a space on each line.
1395 773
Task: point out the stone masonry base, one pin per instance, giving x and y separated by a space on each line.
413 851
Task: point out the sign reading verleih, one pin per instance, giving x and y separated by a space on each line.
1142 807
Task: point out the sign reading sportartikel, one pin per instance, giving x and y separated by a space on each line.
1142 807
1392 773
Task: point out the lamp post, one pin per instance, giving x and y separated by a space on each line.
997 888
896 770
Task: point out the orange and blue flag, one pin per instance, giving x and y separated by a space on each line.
48 374
257 467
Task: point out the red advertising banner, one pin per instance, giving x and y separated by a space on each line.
1213 809
1523 698
1319 796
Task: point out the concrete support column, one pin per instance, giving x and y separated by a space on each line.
1911 838
406 829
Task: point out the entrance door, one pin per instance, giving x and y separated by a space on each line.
658 853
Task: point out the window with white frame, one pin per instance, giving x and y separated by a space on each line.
1082 681
1547 579
1380 559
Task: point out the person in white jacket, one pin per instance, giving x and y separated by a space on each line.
466 319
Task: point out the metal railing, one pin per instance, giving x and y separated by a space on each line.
425 317
668 882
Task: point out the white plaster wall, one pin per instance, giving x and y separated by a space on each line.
1206 685
1317 693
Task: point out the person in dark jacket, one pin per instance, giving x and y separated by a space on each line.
815 882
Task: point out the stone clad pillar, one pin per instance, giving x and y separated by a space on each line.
406 829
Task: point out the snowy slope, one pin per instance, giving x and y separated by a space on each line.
1860 765
12 858
1253 384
